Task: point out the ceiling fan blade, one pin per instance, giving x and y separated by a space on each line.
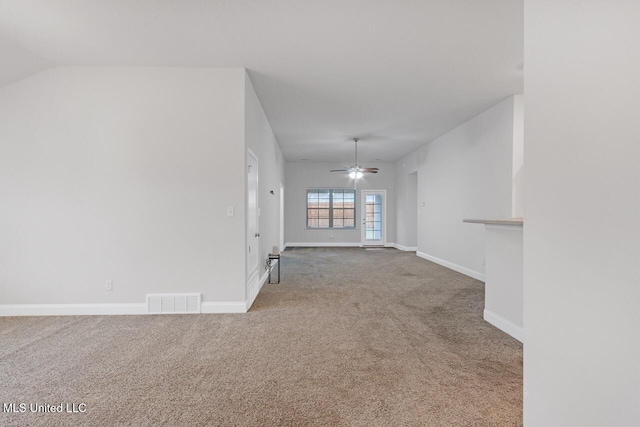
356 170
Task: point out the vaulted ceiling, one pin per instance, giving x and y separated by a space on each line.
397 74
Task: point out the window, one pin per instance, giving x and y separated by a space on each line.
331 208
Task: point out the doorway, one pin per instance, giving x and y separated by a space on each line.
411 230
374 217
282 247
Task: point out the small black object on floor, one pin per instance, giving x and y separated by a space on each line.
272 260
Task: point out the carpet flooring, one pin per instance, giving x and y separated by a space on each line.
350 337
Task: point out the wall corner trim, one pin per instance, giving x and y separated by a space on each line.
402 247
504 325
455 267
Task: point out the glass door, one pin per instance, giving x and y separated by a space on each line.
373 217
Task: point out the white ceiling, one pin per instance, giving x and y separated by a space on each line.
395 73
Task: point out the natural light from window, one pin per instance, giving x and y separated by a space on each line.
331 208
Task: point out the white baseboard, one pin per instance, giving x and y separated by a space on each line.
402 247
106 309
70 309
455 267
347 245
224 307
254 294
504 325
323 244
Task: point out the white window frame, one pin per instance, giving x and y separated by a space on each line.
331 190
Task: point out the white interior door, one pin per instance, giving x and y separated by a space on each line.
253 233
374 217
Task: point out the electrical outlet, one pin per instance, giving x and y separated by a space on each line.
108 286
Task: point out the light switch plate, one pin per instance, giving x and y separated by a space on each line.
230 211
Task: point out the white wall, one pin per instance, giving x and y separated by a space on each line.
517 197
503 290
466 173
16 62
122 174
582 211
262 142
303 175
411 206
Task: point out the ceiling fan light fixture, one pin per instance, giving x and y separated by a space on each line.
356 172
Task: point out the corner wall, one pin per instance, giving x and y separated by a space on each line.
123 174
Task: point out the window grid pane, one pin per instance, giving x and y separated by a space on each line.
373 217
331 208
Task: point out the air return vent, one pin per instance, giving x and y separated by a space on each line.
173 303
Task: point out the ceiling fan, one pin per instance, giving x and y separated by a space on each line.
355 171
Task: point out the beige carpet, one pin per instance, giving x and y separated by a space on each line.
350 337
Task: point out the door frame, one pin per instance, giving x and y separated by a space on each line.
363 210
282 244
249 276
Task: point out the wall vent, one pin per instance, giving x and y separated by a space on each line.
173 303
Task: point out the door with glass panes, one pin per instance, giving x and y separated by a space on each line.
373 217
